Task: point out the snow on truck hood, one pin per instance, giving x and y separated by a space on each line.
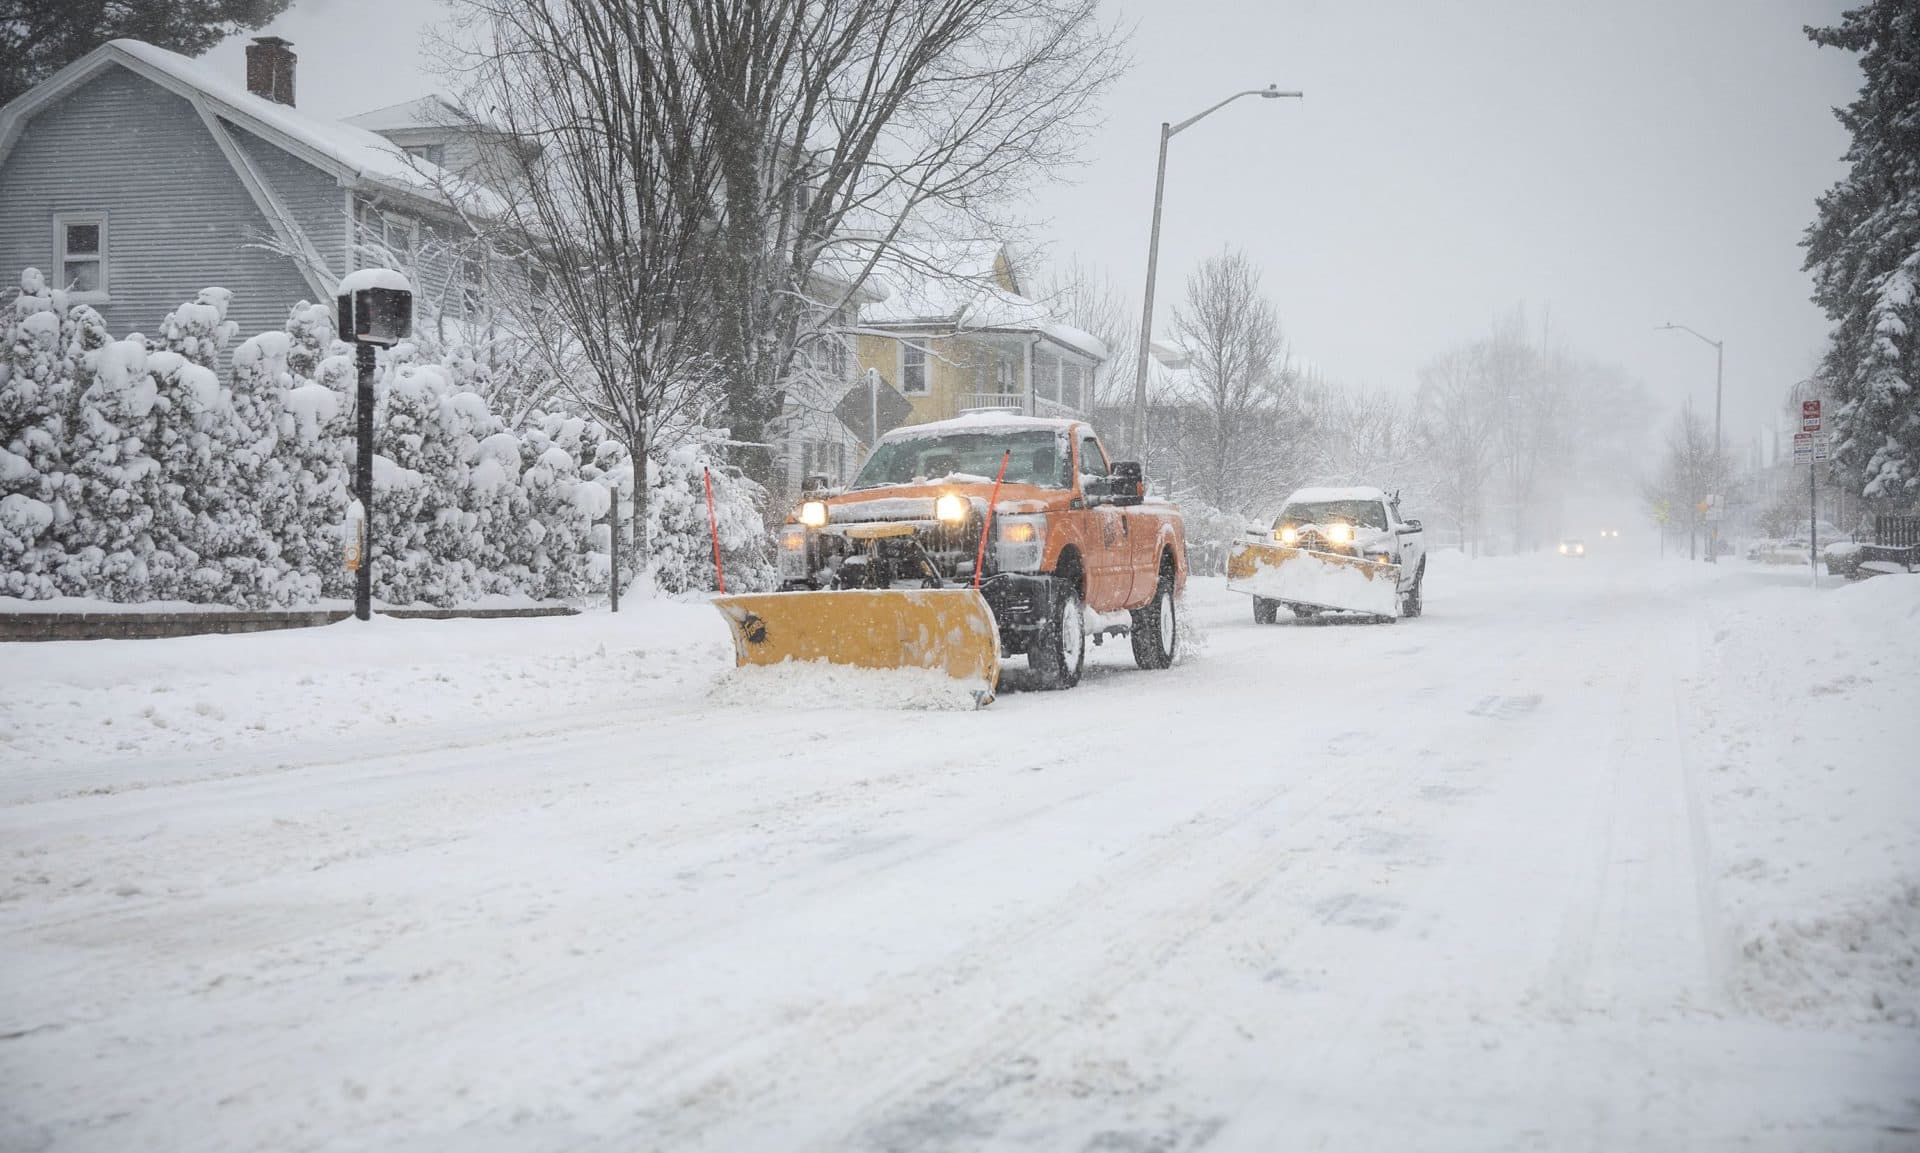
1326 495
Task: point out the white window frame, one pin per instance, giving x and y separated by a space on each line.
61 221
926 369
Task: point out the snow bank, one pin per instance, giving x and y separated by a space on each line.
1807 751
1858 963
69 710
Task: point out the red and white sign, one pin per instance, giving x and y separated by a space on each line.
1810 410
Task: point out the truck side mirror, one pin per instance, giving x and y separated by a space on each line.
1410 526
1129 483
815 482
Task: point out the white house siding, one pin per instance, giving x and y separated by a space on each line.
314 198
179 220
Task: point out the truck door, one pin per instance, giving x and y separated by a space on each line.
1102 543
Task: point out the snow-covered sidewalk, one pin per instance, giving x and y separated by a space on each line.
1593 856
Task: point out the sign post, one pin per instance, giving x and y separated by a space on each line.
1816 451
374 308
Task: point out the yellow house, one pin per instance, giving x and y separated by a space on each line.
955 341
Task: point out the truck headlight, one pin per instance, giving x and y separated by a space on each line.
1340 533
1022 546
1288 535
793 553
951 509
813 514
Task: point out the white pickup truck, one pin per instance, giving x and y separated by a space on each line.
1334 550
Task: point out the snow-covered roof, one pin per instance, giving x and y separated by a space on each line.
988 421
346 150
955 286
1324 495
430 111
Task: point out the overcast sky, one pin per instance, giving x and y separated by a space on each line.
1613 164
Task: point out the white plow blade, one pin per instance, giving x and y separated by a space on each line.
1315 579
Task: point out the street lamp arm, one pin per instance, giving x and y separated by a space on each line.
1670 326
1269 93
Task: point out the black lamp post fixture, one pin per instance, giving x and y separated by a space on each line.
375 309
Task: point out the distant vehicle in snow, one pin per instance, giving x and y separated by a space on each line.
1334 550
1574 546
1609 532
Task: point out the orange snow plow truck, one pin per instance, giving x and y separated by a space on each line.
880 574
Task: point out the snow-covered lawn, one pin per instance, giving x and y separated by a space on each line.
1596 855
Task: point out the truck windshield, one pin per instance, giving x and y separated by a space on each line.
1039 457
1358 513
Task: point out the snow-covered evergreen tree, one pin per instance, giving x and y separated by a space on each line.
221 493
563 513
118 482
679 531
1864 252
35 398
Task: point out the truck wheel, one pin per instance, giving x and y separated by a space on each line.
1265 612
1156 628
1060 649
1411 604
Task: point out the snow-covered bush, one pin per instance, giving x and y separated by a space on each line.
130 470
118 483
35 397
678 531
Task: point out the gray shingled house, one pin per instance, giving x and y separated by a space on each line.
136 177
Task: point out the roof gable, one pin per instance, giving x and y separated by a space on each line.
352 154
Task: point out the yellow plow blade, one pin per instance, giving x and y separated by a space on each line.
1320 580
951 630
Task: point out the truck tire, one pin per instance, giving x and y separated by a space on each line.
1156 628
1413 603
1060 647
1265 612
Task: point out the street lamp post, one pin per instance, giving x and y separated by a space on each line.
1137 435
1719 364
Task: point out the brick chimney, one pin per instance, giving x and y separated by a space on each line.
270 63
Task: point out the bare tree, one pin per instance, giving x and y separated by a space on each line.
1455 409
1692 468
608 222
1236 454
1364 436
842 128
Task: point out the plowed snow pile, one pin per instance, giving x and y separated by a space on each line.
821 685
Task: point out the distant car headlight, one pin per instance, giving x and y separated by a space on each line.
1288 535
813 514
1340 533
1580 550
1563 550
951 509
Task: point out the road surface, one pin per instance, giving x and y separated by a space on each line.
1453 883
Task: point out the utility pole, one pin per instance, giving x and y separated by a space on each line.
1137 432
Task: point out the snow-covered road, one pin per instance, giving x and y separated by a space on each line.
1603 855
